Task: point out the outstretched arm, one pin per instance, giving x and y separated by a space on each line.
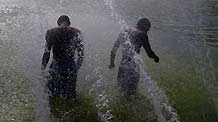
114 50
80 49
148 49
47 51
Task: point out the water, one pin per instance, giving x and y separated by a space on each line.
153 92
184 83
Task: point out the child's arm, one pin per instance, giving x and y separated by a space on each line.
114 50
47 51
148 49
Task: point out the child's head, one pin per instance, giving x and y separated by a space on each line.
63 19
144 24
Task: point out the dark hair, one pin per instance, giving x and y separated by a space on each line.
63 18
144 24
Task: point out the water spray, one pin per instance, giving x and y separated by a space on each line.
155 94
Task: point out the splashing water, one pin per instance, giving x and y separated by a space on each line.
155 94
178 24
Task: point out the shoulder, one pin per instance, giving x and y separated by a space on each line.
52 31
74 30
141 34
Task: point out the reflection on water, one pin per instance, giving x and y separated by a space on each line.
209 26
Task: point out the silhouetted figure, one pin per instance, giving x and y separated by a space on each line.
64 41
131 41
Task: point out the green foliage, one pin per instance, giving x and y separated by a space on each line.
81 109
16 101
134 108
188 94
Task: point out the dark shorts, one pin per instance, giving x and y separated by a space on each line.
62 80
128 77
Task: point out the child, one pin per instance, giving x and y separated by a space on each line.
131 41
